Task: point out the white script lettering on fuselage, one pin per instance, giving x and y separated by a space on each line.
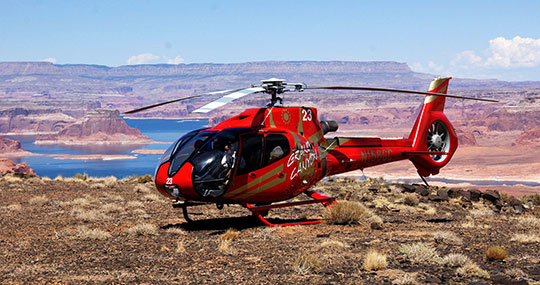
305 156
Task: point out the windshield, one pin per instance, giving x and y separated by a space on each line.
213 164
184 147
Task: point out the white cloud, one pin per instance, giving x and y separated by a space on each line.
50 59
177 60
147 58
517 52
466 58
143 58
435 67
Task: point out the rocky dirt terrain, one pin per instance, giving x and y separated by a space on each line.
88 230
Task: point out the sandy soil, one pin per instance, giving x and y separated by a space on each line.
75 231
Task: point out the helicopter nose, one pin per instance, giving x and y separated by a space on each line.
178 186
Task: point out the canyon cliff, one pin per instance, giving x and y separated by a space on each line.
100 126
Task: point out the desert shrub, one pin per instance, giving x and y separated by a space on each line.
420 253
225 246
97 186
79 176
411 199
447 238
347 212
374 261
533 199
481 213
306 264
145 178
496 253
38 200
94 234
59 178
526 238
454 260
470 269
143 230
406 279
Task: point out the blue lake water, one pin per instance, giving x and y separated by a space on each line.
156 129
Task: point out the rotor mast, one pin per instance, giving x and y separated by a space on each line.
275 86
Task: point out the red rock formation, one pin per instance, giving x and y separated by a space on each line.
8 166
100 126
530 137
10 146
511 120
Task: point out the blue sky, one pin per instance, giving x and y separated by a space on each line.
477 39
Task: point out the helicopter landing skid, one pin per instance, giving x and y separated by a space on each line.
318 198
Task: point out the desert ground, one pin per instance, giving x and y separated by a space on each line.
90 230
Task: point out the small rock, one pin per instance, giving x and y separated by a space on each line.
516 205
421 190
408 188
443 194
475 195
466 195
491 195
453 193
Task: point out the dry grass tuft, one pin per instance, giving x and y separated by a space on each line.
59 178
110 181
14 207
112 208
426 209
420 253
333 244
145 178
454 260
306 264
81 202
376 222
374 261
406 279
528 223
135 204
180 247
38 200
481 212
94 234
347 212
143 230
89 216
470 269
151 198
98 186
143 189
230 234
411 199
11 178
447 238
496 253
176 231
225 246
526 238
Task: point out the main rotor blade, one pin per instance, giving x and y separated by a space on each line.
398 91
181 99
227 99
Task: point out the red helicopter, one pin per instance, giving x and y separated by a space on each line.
272 154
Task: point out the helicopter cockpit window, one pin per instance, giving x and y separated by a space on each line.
184 148
251 154
213 164
277 147
174 147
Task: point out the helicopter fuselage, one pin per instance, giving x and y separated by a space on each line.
269 154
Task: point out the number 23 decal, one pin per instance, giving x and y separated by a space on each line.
307 115
169 181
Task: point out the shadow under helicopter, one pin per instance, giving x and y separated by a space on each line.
238 223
